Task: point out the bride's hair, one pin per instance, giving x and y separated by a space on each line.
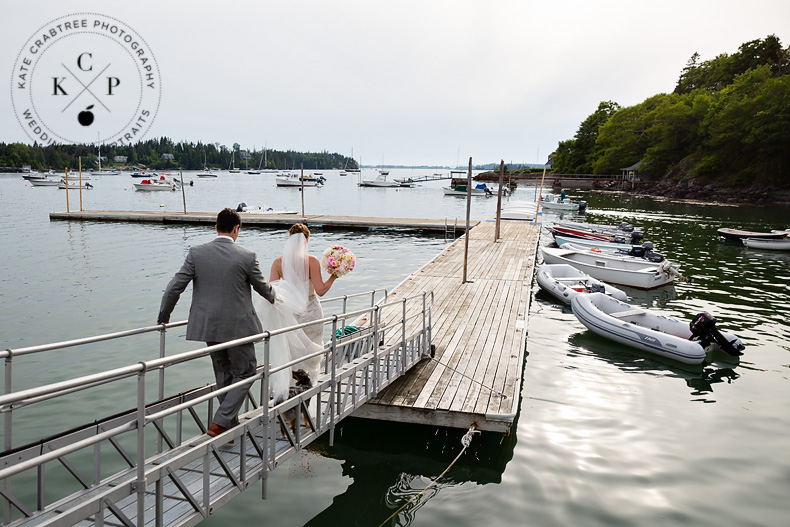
299 227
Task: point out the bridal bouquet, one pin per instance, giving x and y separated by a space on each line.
338 260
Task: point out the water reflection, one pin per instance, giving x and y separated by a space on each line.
390 463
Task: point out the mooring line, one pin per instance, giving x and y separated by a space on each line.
496 392
466 440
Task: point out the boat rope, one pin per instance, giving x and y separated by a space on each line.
466 440
492 390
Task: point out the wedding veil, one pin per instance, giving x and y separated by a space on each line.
292 296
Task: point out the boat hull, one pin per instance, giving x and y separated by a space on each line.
640 274
735 234
565 282
782 244
641 329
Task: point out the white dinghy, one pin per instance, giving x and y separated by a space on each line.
633 272
782 244
565 282
646 331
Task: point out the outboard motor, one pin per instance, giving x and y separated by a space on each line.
241 207
703 329
636 237
582 207
654 257
625 227
618 239
597 288
648 246
637 250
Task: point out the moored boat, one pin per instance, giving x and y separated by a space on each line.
380 181
461 190
589 244
735 234
781 244
160 183
564 282
633 272
641 329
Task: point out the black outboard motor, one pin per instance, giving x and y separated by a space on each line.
582 207
241 206
618 239
654 257
597 288
625 227
648 246
637 250
703 329
636 237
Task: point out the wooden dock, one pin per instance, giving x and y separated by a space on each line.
479 330
266 220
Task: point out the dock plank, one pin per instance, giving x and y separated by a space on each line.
478 329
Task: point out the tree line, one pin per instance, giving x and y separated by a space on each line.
727 122
149 154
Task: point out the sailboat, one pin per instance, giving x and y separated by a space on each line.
355 170
266 162
233 169
206 170
253 171
111 172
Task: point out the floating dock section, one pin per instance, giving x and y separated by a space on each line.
266 220
479 330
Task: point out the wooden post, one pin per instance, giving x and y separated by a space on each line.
67 189
499 198
79 160
468 208
183 194
537 205
301 180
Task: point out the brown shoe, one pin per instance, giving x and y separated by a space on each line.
214 430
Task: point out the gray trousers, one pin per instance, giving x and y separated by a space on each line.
230 366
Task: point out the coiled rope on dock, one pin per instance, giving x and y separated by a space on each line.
466 440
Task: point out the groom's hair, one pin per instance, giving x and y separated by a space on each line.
227 219
299 227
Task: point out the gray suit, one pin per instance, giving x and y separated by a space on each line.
221 273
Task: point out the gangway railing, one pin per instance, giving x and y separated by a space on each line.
153 463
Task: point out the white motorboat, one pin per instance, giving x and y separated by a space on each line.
74 184
644 330
633 272
207 172
781 244
554 203
636 252
460 190
293 180
565 282
380 181
43 182
589 244
159 183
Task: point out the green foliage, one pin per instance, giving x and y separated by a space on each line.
727 121
576 156
188 156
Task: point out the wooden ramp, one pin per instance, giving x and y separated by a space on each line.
478 328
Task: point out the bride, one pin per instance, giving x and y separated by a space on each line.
296 278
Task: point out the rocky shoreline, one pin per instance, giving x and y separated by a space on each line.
709 194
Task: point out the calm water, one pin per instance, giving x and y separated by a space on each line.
604 437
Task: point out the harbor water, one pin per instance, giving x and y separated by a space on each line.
605 435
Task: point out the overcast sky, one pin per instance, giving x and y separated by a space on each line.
406 82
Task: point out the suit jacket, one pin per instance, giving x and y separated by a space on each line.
221 273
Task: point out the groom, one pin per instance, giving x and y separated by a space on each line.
222 273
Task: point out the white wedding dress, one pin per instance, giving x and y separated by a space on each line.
296 303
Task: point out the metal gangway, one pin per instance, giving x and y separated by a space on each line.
153 464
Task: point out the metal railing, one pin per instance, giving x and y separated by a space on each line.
189 474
